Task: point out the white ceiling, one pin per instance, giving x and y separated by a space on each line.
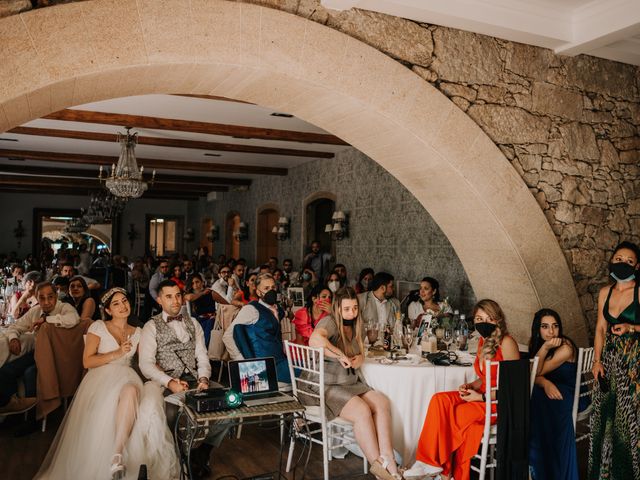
171 107
602 28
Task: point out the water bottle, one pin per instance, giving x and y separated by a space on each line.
464 333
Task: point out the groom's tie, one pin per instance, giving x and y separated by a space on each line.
177 318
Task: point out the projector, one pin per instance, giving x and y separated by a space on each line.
213 400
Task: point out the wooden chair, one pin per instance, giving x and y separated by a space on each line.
583 379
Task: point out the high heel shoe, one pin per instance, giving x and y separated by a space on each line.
380 469
118 470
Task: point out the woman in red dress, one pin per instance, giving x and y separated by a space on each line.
454 424
317 307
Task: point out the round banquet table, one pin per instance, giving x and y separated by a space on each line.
409 389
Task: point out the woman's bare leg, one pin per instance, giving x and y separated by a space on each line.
381 409
125 415
357 411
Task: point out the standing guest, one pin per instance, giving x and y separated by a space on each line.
317 260
187 269
108 423
49 310
341 336
203 304
84 260
429 302
22 300
318 306
378 305
364 280
68 270
615 421
287 268
81 298
454 424
162 273
273 264
176 276
552 448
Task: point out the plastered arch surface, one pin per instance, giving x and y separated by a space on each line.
67 55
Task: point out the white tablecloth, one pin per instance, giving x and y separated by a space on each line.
410 388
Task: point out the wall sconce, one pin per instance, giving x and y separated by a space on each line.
281 231
132 234
214 234
19 233
242 233
189 234
339 228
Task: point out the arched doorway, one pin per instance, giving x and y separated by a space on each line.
266 241
318 213
324 77
232 242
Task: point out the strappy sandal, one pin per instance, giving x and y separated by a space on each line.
118 470
379 468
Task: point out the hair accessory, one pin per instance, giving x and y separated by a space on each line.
110 293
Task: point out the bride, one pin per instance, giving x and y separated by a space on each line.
112 426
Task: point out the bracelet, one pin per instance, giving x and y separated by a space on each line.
596 360
632 329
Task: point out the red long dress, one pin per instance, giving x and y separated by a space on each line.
454 427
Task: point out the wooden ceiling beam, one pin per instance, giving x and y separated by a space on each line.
156 123
165 195
171 142
96 184
92 174
148 163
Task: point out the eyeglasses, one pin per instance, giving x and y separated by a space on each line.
225 271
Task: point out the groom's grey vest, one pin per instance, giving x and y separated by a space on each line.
174 357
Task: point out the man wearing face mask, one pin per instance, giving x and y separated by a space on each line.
378 305
255 332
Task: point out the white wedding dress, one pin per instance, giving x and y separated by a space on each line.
84 444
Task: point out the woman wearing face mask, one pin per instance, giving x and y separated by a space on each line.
341 337
454 424
552 445
429 302
333 282
364 280
81 298
615 427
317 307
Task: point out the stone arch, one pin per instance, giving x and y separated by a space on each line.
327 78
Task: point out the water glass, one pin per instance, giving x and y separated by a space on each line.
372 334
448 337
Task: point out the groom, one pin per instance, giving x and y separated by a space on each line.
173 355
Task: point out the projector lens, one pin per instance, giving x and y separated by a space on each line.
234 399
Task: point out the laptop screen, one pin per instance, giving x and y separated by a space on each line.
253 376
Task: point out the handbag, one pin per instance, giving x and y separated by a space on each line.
216 345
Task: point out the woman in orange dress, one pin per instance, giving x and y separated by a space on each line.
453 428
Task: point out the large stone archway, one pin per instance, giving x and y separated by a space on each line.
82 52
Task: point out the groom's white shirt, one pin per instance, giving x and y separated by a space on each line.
149 346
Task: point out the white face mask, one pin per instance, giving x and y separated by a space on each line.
334 286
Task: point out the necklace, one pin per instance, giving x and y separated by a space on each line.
121 331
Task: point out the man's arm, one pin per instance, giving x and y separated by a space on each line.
67 318
147 356
23 324
248 315
153 286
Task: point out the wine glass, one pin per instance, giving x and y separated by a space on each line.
372 333
407 340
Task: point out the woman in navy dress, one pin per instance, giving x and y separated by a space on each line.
552 447
202 302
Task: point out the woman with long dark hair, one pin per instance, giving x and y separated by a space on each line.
318 306
552 447
81 297
202 302
342 338
615 420
454 424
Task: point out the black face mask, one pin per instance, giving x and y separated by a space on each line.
485 328
622 271
348 323
270 297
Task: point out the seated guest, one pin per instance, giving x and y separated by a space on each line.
318 306
238 274
273 264
364 280
110 421
342 338
552 447
187 269
429 302
333 282
287 268
17 273
341 270
249 291
202 302
225 286
378 306
49 310
277 276
256 332
61 286
67 270
454 424
81 298
176 276
162 273
22 300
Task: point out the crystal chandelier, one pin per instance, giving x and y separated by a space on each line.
125 180
76 225
103 207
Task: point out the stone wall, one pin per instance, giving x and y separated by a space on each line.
388 230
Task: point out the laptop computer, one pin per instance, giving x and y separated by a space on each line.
256 379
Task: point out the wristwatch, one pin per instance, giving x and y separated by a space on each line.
203 380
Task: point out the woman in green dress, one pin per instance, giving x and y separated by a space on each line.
614 452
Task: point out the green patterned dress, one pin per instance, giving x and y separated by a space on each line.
614 452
